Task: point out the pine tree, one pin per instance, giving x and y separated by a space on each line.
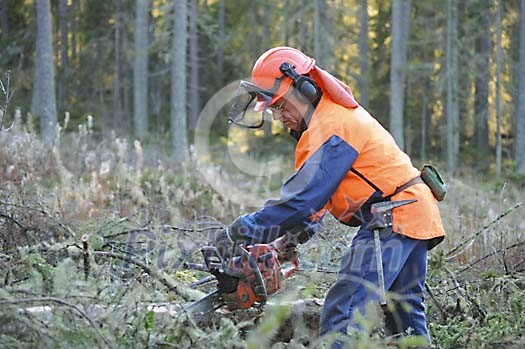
43 104
178 82
140 69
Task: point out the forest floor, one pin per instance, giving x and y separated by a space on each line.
94 234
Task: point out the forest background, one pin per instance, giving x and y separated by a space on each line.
100 110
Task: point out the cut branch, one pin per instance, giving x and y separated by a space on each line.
61 302
44 213
491 254
438 305
450 254
153 273
85 245
214 227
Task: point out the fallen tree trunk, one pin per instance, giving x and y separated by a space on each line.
302 321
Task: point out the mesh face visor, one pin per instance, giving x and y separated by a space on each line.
248 99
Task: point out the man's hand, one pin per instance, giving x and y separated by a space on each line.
286 245
227 240
224 244
290 253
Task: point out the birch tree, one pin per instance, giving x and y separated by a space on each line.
43 104
140 70
178 82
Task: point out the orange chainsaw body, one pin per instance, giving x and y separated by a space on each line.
271 271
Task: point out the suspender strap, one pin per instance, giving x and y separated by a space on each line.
410 183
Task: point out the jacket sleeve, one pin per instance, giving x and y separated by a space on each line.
302 195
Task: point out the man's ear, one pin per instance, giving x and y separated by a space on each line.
299 96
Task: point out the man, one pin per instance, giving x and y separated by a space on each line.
345 162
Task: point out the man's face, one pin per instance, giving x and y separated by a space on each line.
289 110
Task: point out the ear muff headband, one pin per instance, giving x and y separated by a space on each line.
306 86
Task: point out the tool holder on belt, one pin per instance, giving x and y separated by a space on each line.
382 213
382 219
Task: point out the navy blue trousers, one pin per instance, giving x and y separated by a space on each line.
404 268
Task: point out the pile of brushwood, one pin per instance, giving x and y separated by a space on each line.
93 238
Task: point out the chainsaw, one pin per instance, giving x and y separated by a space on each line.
245 280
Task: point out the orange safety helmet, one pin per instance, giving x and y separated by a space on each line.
268 76
273 74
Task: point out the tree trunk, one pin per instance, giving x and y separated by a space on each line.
286 29
323 52
73 24
254 32
317 33
327 51
194 64
140 70
43 104
423 152
220 35
126 73
520 124
62 83
117 97
267 126
397 69
407 15
3 18
304 34
452 122
178 82
481 101
499 63
364 82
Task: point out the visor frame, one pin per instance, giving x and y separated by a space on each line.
263 99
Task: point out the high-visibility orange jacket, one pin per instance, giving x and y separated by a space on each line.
345 161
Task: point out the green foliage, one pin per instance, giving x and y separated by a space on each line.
63 277
268 327
149 321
